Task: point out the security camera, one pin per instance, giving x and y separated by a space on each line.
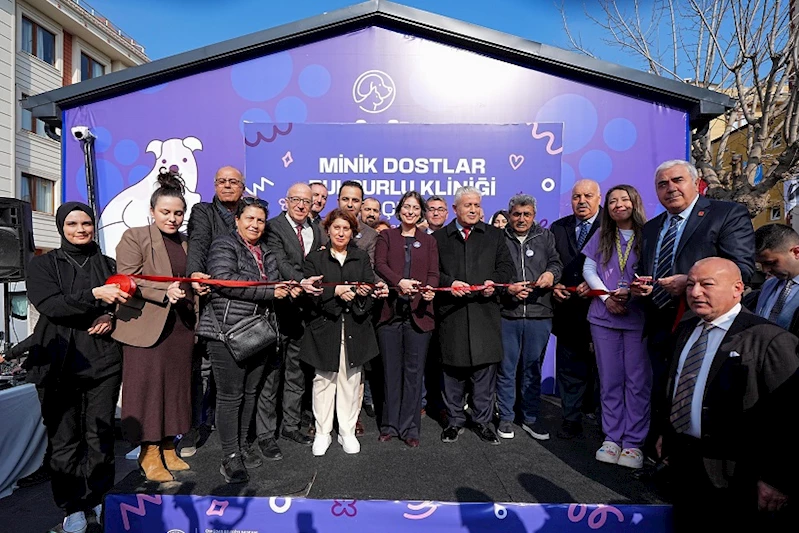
81 133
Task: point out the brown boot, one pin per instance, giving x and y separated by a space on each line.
151 464
171 459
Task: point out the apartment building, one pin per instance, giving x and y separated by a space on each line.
44 45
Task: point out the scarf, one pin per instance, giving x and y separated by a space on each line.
96 265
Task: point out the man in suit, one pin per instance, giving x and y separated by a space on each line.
575 362
777 251
470 337
350 199
727 384
436 215
290 237
319 191
208 221
692 227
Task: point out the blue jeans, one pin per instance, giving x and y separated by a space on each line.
525 339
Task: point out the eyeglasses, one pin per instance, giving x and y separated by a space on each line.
229 181
437 209
296 200
411 208
251 200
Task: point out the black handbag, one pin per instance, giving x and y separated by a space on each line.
246 337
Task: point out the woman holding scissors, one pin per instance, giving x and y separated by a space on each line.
625 374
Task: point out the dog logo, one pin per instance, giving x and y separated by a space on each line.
131 207
374 91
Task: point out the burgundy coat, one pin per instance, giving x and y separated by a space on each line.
390 264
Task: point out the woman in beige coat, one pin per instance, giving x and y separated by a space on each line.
157 328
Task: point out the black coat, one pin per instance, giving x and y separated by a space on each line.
754 393
207 222
470 326
61 348
231 259
540 242
570 323
321 344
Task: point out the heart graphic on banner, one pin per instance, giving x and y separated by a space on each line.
515 161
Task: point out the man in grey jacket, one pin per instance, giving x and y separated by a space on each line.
526 317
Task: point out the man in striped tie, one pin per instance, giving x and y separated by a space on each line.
691 228
731 392
777 251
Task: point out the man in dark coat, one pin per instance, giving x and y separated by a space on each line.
692 228
777 251
470 253
290 237
208 221
575 361
732 382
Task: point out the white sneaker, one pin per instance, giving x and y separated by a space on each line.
631 458
320 444
75 523
349 443
98 511
608 453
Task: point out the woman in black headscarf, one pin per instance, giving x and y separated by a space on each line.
75 363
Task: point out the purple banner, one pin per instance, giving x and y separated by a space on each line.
391 159
207 514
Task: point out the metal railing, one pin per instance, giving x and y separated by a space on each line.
113 29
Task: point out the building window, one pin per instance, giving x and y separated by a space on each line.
38 191
776 213
90 68
38 41
29 123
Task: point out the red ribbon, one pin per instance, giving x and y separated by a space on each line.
127 283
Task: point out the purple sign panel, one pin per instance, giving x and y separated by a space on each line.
391 159
139 513
197 123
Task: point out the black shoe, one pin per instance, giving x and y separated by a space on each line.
40 476
487 434
269 449
536 429
250 456
570 430
297 436
451 434
187 446
370 410
233 469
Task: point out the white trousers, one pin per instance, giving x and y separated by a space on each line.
339 390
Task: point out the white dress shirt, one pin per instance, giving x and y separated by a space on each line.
307 233
590 223
684 215
714 337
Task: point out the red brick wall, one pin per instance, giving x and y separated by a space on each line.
67 73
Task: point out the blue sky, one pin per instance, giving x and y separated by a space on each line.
168 27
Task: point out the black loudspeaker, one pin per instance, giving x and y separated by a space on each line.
16 239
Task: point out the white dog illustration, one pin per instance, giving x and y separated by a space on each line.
131 207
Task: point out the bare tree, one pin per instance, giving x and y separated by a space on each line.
748 49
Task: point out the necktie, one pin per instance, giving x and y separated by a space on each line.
299 238
665 260
466 232
684 394
781 299
584 227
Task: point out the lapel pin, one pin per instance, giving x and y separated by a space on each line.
700 214
417 244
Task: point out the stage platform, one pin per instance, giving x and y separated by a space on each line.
520 485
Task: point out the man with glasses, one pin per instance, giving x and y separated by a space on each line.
436 214
290 237
208 220
319 192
